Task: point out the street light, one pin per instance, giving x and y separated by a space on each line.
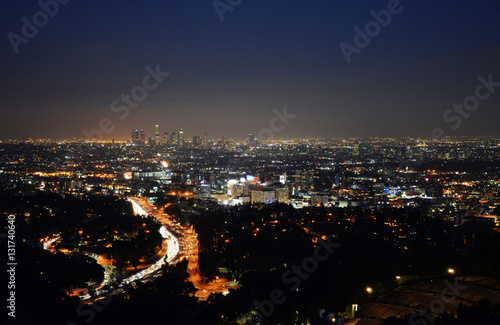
369 290
451 271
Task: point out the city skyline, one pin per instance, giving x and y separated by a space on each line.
228 162
385 69
251 232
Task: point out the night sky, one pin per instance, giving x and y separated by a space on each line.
227 76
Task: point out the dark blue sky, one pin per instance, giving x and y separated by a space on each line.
227 76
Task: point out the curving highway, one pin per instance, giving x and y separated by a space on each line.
179 243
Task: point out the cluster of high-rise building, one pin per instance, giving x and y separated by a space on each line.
174 139
177 139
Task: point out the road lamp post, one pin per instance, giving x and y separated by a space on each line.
369 290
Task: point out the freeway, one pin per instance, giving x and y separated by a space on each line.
170 253
188 245
178 243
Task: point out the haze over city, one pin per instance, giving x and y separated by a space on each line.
231 162
227 75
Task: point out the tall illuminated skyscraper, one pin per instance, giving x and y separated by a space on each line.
205 140
196 141
157 134
251 140
143 136
135 136
181 137
173 139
